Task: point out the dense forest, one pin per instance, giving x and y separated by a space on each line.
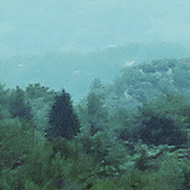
131 134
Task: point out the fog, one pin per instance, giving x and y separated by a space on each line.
67 44
33 27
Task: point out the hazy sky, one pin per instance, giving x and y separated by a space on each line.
35 26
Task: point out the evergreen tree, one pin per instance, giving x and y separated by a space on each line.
62 119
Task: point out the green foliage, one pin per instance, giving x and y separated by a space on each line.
62 118
106 185
182 75
107 153
186 183
30 185
16 139
19 107
123 122
4 95
15 142
93 112
82 172
162 121
35 91
41 100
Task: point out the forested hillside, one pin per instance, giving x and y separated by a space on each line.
75 71
132 133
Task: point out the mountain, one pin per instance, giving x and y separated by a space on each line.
75 71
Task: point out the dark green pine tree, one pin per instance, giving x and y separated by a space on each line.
63 121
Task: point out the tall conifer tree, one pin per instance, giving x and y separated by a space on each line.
63 121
